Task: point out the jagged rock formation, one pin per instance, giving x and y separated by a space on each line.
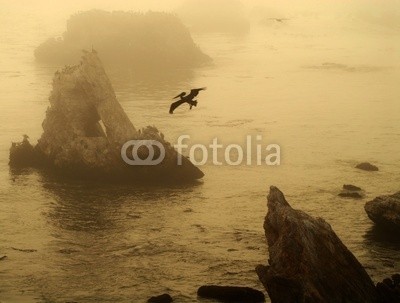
307 261
74 141
385 211
150 40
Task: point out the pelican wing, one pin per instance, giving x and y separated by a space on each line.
175 105
195 91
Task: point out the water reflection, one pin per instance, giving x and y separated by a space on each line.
382 238
103 238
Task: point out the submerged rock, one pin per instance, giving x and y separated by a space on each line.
150 40
164 298
85 128
307 261
385 211
351 191
351 187
367 166
231 294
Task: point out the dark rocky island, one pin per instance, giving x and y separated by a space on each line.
385 211
85 128
147 40
307 261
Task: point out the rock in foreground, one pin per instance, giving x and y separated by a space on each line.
231 294
307 261
389 289
385 211
85 129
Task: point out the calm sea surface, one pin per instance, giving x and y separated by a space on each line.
328 94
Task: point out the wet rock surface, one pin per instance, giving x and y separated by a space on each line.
231 294
85 128
385 211
307 260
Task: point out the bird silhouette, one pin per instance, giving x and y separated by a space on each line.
278 19
186 99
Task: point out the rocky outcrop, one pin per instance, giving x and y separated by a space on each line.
385 211
150 40
307 261
367 166
351 191
85 128
231 294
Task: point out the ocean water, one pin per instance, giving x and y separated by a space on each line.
325 90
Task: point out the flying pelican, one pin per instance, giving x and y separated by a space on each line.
186 99
278 19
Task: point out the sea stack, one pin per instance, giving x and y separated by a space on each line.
85 129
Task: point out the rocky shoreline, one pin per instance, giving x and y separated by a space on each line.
307 263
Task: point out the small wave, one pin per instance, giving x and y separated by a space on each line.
346 68
231 123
